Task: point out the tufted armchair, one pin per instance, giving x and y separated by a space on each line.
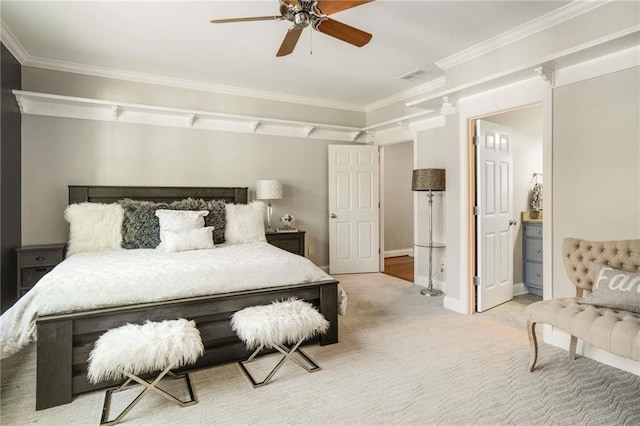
613 330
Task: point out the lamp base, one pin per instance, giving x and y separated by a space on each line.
434 292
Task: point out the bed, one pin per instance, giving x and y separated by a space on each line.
65 340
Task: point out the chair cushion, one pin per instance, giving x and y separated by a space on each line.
615 331
139 349
281 322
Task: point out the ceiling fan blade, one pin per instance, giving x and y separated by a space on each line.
290 41
343 32
254 18
330 7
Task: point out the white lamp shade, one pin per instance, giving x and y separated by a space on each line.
268 190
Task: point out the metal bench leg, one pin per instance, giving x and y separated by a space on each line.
287 354
149 386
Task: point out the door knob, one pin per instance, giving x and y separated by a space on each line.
513 222
333 216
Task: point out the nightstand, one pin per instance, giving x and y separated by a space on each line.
34 262
290 241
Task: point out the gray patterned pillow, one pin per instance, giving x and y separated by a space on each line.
140 227
217 214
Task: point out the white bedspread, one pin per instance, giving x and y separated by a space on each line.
93 280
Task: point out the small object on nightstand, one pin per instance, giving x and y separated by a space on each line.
34 262
287 230
291 241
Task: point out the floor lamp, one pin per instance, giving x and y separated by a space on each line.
269 190
430 180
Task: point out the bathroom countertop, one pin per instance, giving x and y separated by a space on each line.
526 217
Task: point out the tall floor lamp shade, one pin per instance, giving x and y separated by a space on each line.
430 180
269 190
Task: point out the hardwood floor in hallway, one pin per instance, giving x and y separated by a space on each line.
399 267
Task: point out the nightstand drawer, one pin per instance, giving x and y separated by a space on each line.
291 245
30 276
40 258
34 262
290 241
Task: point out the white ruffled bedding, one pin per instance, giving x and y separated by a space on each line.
87 281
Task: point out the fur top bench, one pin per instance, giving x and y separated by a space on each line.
609 317
140 349
289 321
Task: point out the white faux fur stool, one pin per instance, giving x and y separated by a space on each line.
276 325
132 350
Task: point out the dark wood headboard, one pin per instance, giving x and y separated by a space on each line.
111 194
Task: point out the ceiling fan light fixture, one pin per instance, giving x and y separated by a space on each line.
301 19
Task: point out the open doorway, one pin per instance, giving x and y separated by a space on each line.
517 263
396 166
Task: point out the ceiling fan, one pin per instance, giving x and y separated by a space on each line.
315 14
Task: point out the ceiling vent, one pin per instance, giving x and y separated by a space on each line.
414 75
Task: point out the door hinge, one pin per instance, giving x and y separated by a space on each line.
476 140
476 280
378 250
476 210
378 204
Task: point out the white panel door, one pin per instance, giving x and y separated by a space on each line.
494 168
354 221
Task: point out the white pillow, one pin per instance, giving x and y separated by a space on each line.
179 220
190 239
94 227
245 223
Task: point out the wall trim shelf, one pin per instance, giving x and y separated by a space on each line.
93 109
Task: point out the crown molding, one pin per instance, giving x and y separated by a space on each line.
434 84
93 109
97 71
527 29
11 42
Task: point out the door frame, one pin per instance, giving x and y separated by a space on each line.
471 195
381 175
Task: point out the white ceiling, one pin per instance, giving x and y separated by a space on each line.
175 39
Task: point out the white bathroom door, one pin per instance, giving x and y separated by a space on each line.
494 177
354 221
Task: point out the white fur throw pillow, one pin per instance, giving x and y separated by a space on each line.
179 220
245 223
94 227
189 239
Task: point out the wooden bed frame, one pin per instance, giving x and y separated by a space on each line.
65 341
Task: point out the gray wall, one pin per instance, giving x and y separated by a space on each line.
10 182
526 127
398 197
596 164
57 152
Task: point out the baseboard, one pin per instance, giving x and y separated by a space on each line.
561 339
455 305
397 253
519 289
421 280
325 268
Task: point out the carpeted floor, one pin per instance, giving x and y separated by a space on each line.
402 359
512 313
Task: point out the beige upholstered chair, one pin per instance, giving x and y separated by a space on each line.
613 330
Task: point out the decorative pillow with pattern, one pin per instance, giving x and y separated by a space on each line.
140 227
615 288
215 218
